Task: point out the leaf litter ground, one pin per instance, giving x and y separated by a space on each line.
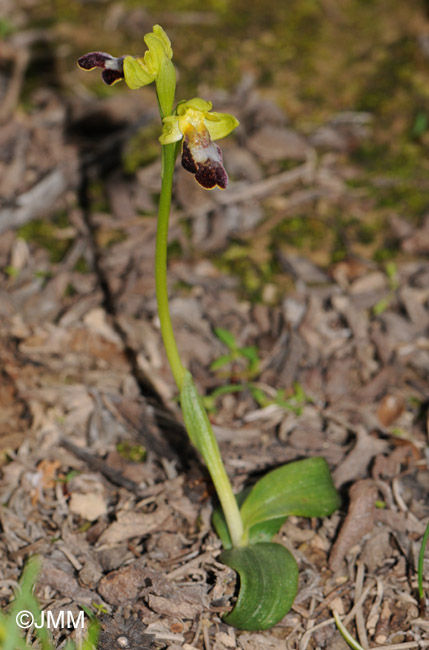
86 391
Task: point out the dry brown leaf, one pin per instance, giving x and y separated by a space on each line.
174 606
134 524
391 407
87 506
64 583
390 465
356 462
359 521
123 585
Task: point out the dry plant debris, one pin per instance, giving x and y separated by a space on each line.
82 371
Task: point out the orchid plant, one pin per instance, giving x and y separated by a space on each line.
246 523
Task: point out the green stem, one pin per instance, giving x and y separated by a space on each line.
195 416
170 345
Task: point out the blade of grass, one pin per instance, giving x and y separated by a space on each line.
345 634
421 562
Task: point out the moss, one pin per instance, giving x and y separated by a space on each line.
301 232
388 252
82 265
70 290
174 250
43 275
395 179
131 453
98 197
11 271
366 233
107 238
253 264
411 201
389 75
43 233
182 287
6 28
141 149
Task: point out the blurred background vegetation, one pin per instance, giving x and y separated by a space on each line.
313 58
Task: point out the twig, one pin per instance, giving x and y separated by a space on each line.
404 646
397 494
358 602
10 101
360 622
206 635
374 613
192 563
197 632
306 637
265 187
37 200
99 465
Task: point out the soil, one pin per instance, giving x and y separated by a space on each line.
316 255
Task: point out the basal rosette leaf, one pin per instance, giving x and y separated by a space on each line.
303 488
263 532
268 577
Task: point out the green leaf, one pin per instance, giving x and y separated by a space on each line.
268 584
220 362
250 353
202 437
226 337
259 396
303 488
221 528
196 420
420 124
209 401
263 532
421 563
382 305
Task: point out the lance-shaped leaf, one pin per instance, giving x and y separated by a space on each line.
226 337
202 437
303 488
268 584
263 532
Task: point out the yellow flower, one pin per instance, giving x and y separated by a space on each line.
142 70
197 127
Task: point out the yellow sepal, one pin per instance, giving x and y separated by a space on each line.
170 130
136 74
195 114
197 104
219 125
